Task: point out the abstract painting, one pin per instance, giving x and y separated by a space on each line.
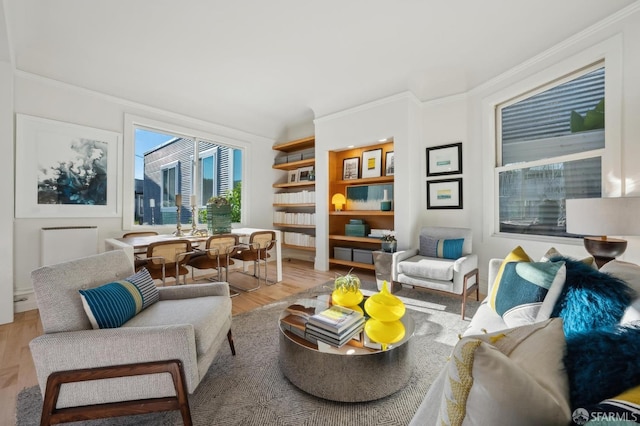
66 170
368 197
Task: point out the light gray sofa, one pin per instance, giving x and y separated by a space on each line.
189 323
486 320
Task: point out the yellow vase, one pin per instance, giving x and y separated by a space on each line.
384 306
384 332
347 299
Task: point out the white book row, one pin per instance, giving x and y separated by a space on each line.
294 197
294 218
298 239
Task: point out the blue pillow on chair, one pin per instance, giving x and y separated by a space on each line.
447 249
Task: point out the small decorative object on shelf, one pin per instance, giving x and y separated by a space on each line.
346 291
218 215
389 243
385 311
385 204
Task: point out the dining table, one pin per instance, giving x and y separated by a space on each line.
132 244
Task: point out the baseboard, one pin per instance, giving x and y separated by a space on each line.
24 302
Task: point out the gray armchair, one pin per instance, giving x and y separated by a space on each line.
426 268
187 326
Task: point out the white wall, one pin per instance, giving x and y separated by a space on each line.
6 193
52 100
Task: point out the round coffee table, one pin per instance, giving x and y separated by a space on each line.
358 371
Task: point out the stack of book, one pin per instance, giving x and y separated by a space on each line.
335 325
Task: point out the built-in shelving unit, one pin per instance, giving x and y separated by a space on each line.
295 219
376 219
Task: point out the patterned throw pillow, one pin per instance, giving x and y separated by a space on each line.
113 304
447 249
522 289
517 255
513 377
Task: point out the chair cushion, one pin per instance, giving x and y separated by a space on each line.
113 304
434 247
516 255
518 373
206 314
427 267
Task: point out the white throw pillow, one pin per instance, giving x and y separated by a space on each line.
511 377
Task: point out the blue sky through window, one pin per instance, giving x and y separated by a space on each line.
146 140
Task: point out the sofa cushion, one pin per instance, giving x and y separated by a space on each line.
204 313
427 267
590 299
516 255
113 304
442 248
518 373
607 357
553 253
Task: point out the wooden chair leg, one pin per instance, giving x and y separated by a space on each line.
53 415
231 345
466 290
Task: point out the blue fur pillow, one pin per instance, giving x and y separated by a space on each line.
590 299
602 363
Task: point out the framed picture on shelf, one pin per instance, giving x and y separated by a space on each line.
388 164
372 163
350 168
305 174
444 159
444 194
293 176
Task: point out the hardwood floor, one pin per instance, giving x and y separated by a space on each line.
16 366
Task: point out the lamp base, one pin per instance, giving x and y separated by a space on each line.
604 249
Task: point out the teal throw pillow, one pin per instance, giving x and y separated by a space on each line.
447 249
113 304
523 287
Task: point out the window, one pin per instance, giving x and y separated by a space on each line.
550 144
165 168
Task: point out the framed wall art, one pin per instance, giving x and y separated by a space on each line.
368 197
444 159
305 173
444 194
350 168
388 164
293 176
66 170
372 163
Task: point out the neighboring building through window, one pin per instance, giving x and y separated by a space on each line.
550 144
164 165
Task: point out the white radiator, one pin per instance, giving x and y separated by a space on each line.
61 244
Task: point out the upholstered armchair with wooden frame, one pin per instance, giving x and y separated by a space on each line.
257 251
443 262
181 332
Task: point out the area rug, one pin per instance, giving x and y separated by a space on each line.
249 388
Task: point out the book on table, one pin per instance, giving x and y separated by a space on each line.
335 319
335 339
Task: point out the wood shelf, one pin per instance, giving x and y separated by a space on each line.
379 179
294 185
361 213
298 247
296 145
367 240
295 164
292 225
352 264
294 205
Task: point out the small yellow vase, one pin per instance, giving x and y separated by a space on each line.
384 306
384 332
347 298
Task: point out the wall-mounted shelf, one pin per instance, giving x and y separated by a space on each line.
361 213
294 185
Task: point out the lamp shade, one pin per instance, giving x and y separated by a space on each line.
603 216
338 201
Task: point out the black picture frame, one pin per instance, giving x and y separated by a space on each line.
444 159
351 168
371 163
389 166
444 194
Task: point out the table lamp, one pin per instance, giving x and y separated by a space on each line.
338 201
598 217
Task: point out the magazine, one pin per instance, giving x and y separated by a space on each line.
335 319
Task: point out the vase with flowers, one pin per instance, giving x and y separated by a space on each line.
389 242
218 215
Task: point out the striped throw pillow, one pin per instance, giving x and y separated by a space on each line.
447 249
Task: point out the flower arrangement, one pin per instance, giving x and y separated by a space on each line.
389 237
347 283
218 201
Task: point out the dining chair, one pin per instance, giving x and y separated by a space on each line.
139 253
257 251
167 259
216 255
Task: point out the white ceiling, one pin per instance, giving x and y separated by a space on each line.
261 66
